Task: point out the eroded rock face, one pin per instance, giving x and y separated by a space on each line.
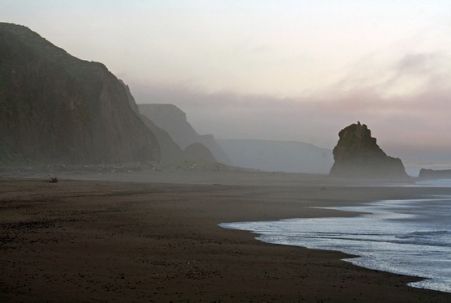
358 155
56 108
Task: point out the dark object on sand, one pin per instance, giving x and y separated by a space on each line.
53 180
435 174
358 155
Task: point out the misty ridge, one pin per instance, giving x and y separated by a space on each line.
60 110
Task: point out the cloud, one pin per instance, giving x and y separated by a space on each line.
421 63
420 72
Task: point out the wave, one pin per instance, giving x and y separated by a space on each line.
412 244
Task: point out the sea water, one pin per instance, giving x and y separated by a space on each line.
409 237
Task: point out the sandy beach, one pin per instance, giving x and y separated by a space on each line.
99 241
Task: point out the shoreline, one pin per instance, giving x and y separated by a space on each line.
97 240
302 232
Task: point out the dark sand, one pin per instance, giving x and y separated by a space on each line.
93 241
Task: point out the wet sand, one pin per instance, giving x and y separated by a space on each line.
97 241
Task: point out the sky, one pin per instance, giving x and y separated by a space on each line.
279 69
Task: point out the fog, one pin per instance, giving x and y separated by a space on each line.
413 125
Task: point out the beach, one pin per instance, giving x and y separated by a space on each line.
105 241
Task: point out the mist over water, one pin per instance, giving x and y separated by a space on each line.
434 183
409 237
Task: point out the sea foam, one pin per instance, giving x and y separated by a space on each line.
409 237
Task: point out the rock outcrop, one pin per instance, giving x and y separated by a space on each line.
173 120
358 155
56 108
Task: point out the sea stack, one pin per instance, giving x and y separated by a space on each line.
358 155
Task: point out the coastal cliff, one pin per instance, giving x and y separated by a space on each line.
173 120
59 109
199 153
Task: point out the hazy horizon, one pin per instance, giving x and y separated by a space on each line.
276 70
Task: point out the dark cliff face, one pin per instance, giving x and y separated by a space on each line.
56 108
358 155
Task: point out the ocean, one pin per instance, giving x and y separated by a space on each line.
409 237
